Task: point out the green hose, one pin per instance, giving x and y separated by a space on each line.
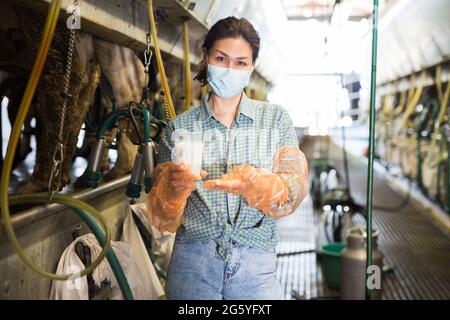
111 256
104 238
109 122
146 116
373 83
65 200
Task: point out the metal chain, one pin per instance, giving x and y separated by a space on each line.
147 59
166 107
58 154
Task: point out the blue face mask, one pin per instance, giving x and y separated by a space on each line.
226 82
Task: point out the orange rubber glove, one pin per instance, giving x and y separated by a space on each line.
290 164
173 184
260 187
276 193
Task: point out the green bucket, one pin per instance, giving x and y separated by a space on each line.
331 263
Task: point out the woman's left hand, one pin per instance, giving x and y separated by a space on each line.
277 193
261 188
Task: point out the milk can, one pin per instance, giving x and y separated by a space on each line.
353 268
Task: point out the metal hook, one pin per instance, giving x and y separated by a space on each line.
148 52
58 156
76 232
147 58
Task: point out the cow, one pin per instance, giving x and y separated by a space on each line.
20 30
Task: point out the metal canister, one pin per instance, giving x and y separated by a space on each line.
149 164
353 268
135 184
96 156
93 172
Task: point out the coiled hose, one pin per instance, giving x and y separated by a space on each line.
80 207
87 214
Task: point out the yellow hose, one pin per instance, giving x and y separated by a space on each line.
49 29
248 91
187 68
67 201
388 107
159 61
433 158
413 100
401 104
203 92
412 82
439 83
443 109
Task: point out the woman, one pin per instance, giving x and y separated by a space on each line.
254 172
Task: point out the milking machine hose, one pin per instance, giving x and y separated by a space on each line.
187 67
87 213
159 60
84 210
146 117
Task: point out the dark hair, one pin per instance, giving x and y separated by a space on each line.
230 27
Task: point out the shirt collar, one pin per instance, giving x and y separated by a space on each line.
245 108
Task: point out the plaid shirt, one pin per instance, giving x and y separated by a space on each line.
258 131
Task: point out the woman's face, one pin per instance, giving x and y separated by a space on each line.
233 53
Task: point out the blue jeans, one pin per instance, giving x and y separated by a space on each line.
196 273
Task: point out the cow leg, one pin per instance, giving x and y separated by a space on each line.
23 147
74 121
49 119
125 73
107 104
126 153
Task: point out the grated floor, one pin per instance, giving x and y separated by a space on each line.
300 274
410 242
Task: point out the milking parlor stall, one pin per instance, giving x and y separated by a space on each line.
225 150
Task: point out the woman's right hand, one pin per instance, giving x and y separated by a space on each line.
173 184
181 179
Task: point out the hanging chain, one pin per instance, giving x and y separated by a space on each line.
147 59
58 154
166 106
